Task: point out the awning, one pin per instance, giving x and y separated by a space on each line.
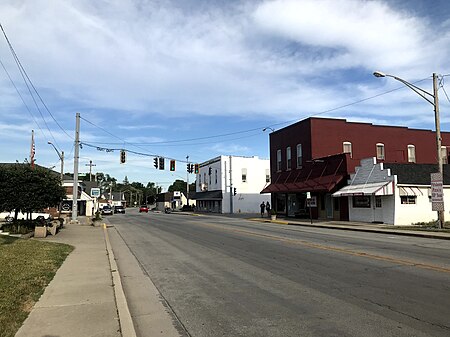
409 190
320 184
208 195
381 188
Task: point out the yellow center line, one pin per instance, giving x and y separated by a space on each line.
334 249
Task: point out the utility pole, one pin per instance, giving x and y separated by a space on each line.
231 189
187 182
441 218
90 169
76 157
62 166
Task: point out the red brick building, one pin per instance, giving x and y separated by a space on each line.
317 155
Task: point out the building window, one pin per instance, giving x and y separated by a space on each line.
209 179
347 148
216 176
244 175
408 199
378 202
380 151
411 154
299 156
361 201
278 160
337 203
288 157
200 181
444 154
267 176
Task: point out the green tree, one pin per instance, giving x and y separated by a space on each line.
178 185
26 190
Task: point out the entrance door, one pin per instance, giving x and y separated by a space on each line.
329 206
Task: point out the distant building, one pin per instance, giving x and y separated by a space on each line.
232 184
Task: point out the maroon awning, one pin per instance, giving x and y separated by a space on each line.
319 184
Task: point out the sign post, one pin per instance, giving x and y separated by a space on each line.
437 193
310 202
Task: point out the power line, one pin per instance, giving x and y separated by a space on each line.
27 80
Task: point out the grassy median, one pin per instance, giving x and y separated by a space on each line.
26 268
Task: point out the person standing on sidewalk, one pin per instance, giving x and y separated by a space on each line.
263 207
268 209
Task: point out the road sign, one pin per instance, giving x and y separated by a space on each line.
311 202
95 192
437 192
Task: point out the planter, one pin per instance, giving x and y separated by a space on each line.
273 217
40 231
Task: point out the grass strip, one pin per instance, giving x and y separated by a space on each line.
26 268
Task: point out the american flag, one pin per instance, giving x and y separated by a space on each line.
32 150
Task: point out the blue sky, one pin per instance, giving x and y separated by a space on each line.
169 78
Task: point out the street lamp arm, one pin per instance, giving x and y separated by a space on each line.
59 154
422 93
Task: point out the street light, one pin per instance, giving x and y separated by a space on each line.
433 100
268 128
61 157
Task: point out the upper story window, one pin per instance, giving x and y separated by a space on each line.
411 154
288 158
278 160
200 180
267 176
380 151
347 148
299 156
216 176
244 175
444 154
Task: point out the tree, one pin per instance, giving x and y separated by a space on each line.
25 189
178 185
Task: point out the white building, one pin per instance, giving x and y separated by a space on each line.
391 193
232 184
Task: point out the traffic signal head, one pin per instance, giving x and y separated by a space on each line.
123 156
196 168
161 163
155 162
172 165
189 168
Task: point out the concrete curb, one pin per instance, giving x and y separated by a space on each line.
125 320
360 229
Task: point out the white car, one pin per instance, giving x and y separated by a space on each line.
9 216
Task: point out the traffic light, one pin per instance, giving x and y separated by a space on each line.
155 162
172 165
161 163
123 156
196 168
190 168
234 191
210 171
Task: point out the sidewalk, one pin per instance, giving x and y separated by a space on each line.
81 300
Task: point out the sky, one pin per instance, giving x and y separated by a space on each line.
203 78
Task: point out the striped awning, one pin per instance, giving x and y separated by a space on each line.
380 188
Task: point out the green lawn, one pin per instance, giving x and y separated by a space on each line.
26 268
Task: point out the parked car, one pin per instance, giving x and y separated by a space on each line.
143 208
107 210
119 209
9 216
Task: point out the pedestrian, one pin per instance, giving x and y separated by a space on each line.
268 209
263 207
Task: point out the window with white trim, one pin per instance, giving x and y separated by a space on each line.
347 148
278 160
267 176
216 176
244 175
411 154
380 151
288 158
299 156
444 154
408 199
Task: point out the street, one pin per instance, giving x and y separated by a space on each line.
232 277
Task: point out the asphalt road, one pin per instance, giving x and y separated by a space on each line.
231 277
